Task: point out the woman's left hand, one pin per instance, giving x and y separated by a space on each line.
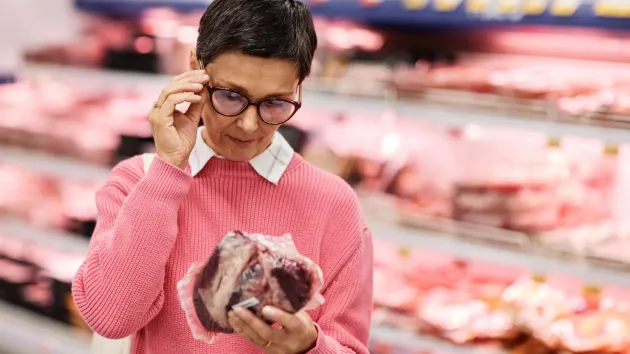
297 334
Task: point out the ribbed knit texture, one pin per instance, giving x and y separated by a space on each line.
152 227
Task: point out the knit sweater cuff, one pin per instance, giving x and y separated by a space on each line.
164 182
323 344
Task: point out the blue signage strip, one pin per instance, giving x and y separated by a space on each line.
385 13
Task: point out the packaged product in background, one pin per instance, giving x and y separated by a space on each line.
596 324
507 180
535 303
423 184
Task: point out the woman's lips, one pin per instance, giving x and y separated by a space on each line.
243 143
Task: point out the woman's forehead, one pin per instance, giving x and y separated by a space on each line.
253 76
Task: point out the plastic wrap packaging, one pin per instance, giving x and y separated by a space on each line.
252 271
535 303
596 324
461 317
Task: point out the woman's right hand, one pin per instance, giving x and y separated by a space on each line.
174 132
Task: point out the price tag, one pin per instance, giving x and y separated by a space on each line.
612 150
565 8
404 251
415 4
553 143
476 6
446 5
539 278
534 7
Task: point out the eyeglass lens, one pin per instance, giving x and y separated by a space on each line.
229 103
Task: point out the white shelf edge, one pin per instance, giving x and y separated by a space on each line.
412 341
29 333
470 249
52 165
429 112
58 240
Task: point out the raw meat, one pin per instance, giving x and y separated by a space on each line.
461 317
249 270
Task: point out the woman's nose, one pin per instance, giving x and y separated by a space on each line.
248 121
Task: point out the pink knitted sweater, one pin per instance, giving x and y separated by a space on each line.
152 227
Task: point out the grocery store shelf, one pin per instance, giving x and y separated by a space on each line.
412 341
53 165
96 77
57 240
22 332
443 114
457 116
528 259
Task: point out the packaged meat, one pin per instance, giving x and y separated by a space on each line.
252 271
404 298
596 324
534 303
461 317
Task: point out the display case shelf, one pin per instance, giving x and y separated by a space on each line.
417 342
452 114
527 258
22 332
65 168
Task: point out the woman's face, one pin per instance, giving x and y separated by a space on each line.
242 137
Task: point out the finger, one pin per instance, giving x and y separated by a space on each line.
245 331
186 74
168 107
185 85
195 110
256 324
288 321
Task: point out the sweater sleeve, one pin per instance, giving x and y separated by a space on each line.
119 287
344 322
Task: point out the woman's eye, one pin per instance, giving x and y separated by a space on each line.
233 96
276 104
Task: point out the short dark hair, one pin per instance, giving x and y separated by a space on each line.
264 28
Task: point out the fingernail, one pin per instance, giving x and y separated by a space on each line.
201 71
197 86
239 311
268 311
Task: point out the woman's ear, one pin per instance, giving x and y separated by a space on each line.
193 63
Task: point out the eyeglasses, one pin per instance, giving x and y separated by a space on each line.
272 111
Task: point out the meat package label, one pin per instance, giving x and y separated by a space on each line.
252 301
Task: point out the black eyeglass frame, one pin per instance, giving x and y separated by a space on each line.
296 104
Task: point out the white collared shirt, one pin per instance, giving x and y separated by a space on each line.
270 165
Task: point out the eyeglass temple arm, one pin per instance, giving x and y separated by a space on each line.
300 93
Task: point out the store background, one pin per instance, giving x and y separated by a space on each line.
489 141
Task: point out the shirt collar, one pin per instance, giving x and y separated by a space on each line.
270 165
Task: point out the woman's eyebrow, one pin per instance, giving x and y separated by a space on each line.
242 90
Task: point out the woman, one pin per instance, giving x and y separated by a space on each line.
236 172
